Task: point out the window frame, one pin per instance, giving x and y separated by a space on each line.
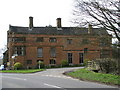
39 39
20 50
81 58
69 41
19 39
28 62
85 50
70 58
52 40
53 52
52 61
85 41
39 53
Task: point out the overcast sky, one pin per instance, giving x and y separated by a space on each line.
45 12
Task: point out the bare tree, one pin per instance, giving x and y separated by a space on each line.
100 13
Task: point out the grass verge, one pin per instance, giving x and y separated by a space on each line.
22 71
84 74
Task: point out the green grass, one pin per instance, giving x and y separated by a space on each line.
84 74
22 71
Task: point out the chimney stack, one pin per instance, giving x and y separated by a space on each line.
30 22
89 29
58 22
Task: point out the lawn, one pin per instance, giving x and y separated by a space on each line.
22 71
84 74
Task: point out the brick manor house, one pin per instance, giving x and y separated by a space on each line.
51 45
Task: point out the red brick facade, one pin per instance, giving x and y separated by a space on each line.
83 46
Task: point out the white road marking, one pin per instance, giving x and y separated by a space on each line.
51 85
14 78
56 76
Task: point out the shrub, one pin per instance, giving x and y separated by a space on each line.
108 65
18 65
64 63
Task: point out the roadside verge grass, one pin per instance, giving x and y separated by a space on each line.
22 71
84 74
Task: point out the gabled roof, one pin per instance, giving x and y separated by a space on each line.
56 31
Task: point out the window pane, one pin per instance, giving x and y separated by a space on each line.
19 39
81 58
52 61
29 61
19 50
9 39
69 41
53 40
40 52
85 41
85 50
40 39
69 58
53 52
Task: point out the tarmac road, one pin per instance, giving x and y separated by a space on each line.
51 78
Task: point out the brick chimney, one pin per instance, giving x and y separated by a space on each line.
30 22
58 22
89 29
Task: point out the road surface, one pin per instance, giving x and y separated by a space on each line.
51 78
